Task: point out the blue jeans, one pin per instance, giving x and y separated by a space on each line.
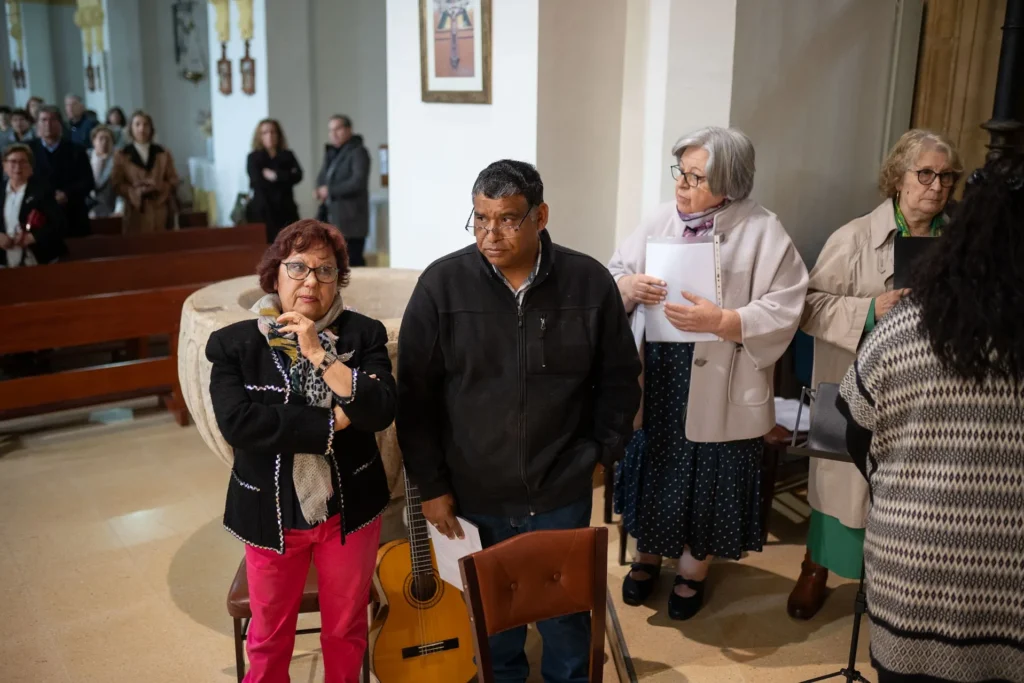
566 657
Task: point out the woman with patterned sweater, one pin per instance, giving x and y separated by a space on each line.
935 405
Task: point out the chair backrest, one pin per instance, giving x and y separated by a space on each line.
537 576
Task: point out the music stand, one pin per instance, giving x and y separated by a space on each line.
826 439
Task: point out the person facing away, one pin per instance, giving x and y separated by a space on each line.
144 175
273 174
517 375
5 124
32 230
65 168
80 125
935 409
342 186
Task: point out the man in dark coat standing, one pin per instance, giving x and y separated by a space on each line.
342 186
65 169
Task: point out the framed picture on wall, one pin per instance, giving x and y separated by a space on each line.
455 51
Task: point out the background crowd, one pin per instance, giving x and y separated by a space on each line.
83 169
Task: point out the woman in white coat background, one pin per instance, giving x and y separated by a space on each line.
689 486
850 289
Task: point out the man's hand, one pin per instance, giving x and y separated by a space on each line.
24 239
321 193
60 197
441 513
884 303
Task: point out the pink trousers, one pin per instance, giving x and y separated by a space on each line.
275 589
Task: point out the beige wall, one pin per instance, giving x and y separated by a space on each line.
579 109
811 88
631 138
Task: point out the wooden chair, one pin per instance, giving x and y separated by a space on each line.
536 576
241 613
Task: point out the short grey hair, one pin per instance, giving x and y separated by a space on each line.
730 167
508 178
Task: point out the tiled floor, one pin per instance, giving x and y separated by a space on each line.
114 567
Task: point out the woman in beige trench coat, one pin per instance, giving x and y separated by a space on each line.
145 176
851 288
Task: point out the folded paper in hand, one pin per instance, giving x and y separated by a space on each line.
449 551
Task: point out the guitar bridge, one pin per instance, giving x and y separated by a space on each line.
430 648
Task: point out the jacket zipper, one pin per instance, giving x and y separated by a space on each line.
543 327
521 339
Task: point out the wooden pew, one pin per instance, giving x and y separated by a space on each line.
104 246
124 273
193 219
104 301
112 225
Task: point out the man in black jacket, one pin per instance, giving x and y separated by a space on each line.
342 186
64 167
517 374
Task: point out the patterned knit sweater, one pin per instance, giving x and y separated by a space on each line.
944 549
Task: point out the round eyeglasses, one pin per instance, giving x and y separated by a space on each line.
297 270
927 176
691 179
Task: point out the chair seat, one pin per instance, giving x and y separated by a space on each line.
238 594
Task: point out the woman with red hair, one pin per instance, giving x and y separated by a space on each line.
299 394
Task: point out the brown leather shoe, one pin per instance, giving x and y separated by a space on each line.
810 591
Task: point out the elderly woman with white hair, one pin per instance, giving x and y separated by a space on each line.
689 486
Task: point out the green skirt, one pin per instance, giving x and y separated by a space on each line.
838 548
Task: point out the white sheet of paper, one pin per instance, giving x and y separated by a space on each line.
685 266
448 551
785 414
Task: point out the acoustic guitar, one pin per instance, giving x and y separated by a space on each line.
422 631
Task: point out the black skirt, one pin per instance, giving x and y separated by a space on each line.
674 493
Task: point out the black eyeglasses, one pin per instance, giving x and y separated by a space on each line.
691 179
297 270
505 224
927 176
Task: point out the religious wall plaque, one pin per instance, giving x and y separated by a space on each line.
224 70
248 67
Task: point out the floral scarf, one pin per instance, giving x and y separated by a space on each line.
904 230
699 224
311 473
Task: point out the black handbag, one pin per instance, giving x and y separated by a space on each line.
827 432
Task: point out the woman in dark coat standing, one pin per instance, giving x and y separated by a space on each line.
273 174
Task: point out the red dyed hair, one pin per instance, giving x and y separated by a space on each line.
302 236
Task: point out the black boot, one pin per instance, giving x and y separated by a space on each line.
680 608
635 591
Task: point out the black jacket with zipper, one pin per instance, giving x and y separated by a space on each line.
510 407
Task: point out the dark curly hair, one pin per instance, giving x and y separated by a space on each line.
971 289
303 236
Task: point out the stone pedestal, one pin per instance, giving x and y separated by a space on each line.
380 293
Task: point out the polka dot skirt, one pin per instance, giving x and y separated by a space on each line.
672 492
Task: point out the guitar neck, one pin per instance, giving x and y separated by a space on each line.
419 536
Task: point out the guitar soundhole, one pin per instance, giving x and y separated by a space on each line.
423 588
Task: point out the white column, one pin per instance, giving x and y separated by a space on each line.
235 116
123 70
35 25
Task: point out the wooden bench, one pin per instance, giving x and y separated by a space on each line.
113 225
102 246
101 301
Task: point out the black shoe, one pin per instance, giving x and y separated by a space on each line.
680 608
635 591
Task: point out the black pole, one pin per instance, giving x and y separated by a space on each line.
1007 123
